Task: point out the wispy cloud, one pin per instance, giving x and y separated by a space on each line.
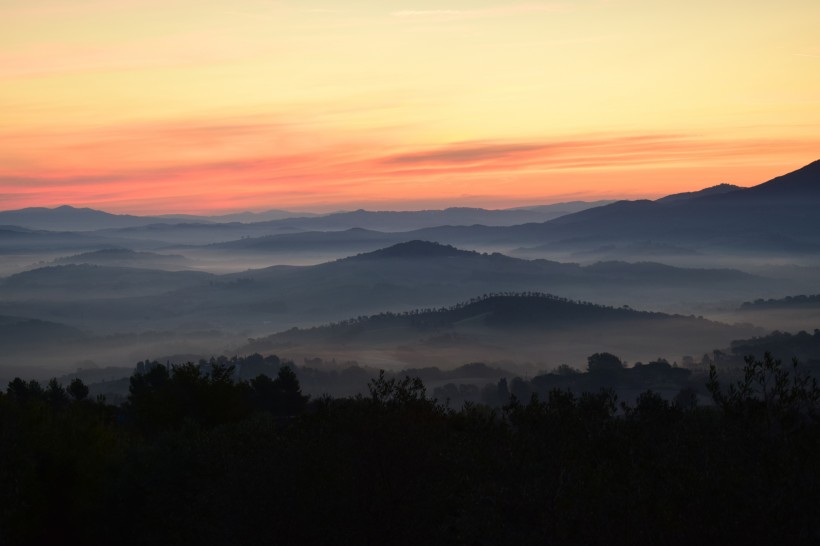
244 162
806 55
465 153
544 151
592 154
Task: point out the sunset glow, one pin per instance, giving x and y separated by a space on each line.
144 106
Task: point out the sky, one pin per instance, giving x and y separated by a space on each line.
161 106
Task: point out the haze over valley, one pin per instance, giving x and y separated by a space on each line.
670 278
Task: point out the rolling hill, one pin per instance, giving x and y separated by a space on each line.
123 257
67 218
88 282
531 327
396 278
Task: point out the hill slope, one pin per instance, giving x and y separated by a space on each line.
529 327
776 217
67 218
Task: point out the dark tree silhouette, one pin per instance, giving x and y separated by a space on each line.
77 389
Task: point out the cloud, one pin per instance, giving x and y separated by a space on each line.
592 154
246 162
465 153
484 152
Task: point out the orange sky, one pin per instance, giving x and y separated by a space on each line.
186 106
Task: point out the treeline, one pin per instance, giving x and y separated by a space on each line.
802 345
426 312
788 301
604 371
200 455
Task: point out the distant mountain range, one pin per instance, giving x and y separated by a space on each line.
67 218
242 217
777 217
396 278
88 282
789 302
17 334
774 218
113 286
123 257
15 239
393 221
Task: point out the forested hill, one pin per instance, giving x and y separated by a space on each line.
414 249
788 302
497 311
503 327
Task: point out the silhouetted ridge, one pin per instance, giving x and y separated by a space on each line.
802 300
520 309
416 249
805 179
18 332
507 309
713 190
104 252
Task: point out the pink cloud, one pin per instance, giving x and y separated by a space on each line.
246 163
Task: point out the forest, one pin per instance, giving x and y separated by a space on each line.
203 454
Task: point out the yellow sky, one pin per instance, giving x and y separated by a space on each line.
191 106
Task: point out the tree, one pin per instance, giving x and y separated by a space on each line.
503 391
55 393
281 396
287 386
77 389
769 391
604 363
18 389
385 391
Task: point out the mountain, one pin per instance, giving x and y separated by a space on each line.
191 233
415 249
801 301
784 346
17 333
86 282
804 182
419 273
401 277
398 221
713 190
778 217
221 227
394 225
242 217
123 257
351 239
166 310
531 327
562 209
66 218
16 239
